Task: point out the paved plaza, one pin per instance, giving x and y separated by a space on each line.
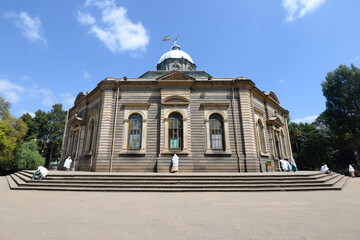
121 215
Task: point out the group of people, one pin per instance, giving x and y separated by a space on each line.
42 172
325 169
288 166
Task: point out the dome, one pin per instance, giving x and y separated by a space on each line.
175 53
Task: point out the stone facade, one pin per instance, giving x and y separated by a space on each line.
212 124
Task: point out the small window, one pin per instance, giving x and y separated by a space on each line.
175 132
216 132
134 133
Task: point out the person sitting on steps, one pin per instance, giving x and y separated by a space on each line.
40 173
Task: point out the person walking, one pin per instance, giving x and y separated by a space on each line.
351 171
175 163
67 164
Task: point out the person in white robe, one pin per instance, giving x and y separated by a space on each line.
175 163
40 173
293 164
351 171
285 165
324 169
67 163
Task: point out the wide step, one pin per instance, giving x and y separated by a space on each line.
154 182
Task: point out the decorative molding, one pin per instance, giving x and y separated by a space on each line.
175 100
217 105
274 121
212 152
259 111
78 121
130 152
134 104
175 75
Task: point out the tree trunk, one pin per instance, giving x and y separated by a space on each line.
50 158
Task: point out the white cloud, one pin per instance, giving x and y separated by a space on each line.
30 27
85 18
100 3
10 91
282 81
86 75
48 98
67 100
355 59
308 119
117 32
298 8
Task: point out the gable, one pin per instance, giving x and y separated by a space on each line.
80 96
175 76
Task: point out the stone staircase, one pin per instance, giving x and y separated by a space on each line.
179 182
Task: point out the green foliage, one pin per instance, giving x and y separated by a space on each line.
30 122
28 157
342 115
310 145
334 137
12 132
47 129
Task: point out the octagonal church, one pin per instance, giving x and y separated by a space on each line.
212 124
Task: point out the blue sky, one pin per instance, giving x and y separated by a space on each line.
52 50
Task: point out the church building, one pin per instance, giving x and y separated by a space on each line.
212 124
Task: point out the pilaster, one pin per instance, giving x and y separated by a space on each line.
248 133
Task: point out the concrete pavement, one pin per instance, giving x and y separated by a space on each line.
264 215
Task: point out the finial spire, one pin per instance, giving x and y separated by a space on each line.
176 47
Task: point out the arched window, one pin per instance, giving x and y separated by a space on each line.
261 136
175 132
134 132
91 134
216 132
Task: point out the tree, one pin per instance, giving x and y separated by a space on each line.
47 129
31 124
28 157
12 132
311 145
56 125
342 114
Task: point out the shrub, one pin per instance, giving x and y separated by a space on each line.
28 157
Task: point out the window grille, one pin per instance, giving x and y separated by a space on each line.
134 133
216 132
175 132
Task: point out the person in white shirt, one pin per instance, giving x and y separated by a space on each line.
351 171
40 173
324 169
67 163
285 165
